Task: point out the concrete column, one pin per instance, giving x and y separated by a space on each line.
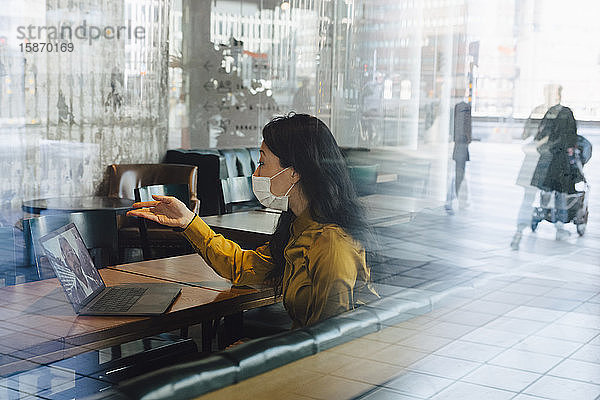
196 48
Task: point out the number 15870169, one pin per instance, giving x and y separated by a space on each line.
46 47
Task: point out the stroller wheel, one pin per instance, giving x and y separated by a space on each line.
534 225
581 228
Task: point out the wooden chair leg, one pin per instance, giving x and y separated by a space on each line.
144 239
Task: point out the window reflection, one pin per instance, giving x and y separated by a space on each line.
385 75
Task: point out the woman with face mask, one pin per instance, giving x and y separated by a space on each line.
316 255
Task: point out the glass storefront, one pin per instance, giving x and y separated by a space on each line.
420 95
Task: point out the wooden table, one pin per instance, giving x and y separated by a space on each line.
38 325
250 229
76 204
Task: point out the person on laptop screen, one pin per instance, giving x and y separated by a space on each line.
317 254
72 269
82 285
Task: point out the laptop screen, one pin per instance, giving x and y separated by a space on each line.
72 265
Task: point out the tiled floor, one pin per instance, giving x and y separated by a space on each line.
504 324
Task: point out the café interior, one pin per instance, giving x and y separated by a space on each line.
477 288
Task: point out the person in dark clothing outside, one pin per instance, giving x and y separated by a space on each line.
553 172
552 97
460 155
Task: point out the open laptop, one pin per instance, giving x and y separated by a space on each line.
85 288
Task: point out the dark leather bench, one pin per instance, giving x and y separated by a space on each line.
192 379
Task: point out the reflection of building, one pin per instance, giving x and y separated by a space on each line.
493 24
289 41
247 71
419 47
232 113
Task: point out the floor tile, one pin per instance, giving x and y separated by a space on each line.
397 355
470 351
446 367
449 330
494 337
577 370
391 334
44 378
589 353
489 307
563 389
595 341
553 303
10 394
82 387
225 394
527 288
386 394
359 347
331 387
509 298
269 385
516 325
580 320
570 294
466 317
553 347
419 323
525 360
595 299
418 384
588 308
567 332
501 378
324 362
535 314
469 391
424 342
551 283
368 371
527 397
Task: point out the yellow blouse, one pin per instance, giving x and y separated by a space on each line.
323 265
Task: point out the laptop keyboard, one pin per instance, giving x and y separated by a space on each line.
118 299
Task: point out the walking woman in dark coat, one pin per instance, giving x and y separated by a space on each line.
553 173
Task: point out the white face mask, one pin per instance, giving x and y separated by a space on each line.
261 186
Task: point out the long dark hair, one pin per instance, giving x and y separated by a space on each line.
306 144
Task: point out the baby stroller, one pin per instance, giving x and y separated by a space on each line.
577 203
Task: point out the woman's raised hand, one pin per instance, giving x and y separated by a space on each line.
165 210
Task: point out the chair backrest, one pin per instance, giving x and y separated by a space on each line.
124 178
211 169
238 162
98 229
231 162
255 155
245 160
237 187
238 190
179 190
